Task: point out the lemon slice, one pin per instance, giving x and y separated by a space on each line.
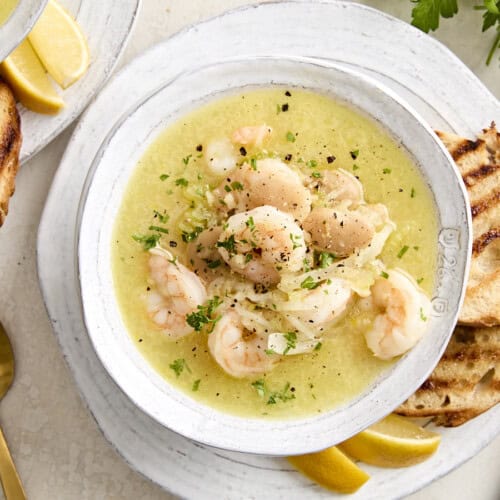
331 469
60 45
29 81
392 442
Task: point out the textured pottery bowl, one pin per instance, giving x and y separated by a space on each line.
19 24
108 180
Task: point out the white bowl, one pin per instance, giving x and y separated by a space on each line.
19 24
108 180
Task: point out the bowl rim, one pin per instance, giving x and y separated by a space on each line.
286 447
17 26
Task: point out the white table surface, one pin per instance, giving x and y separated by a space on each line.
57 446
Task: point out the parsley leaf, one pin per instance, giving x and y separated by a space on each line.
187 237
284 395
229 244
290 137
181 182
309 283
403 251
203 316
260 387
425 15
291 341
178 366
148 241
325 259
163 218
196 385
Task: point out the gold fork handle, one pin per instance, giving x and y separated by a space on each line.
11 483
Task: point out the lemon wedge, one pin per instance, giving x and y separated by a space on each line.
28 79
331 469
392 442
60 45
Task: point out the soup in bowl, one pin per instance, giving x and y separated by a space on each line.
261 256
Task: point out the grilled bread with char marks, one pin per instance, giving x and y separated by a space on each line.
466 381
10 145
479 164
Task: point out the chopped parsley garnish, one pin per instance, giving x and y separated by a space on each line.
187 237
312 164
270 352
294 239
420 280
384 275
355 167
354 154
250 223
237 186
186 159
227 188
253 163
196 385
290 137
291 341
278 109
181 182
203 316
159 229
260 387
403 251
309 283
229 244
413 193
164 177
284 395
178 366
248 258
326 259
423 317
307 265
148 241
318 346
386 171
273 396
316 175
212 264
163 218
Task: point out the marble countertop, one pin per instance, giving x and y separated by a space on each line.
58 448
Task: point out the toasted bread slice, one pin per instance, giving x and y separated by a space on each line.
10 145
465 383
479 164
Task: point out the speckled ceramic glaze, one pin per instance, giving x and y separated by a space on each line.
410 63
112 168
106 30
19 24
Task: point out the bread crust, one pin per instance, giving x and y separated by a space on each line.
10 146
479 164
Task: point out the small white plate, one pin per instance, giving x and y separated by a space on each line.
106 25
418 68
19 24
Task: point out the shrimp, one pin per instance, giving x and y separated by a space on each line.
251 135
221 156
238 352
203 254
266 182
323 304
261 242
403 314
339 185
339 231
178 293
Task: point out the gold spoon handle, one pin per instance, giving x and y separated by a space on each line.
11 483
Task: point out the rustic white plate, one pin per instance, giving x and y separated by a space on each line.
19 24
107 25
412 64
